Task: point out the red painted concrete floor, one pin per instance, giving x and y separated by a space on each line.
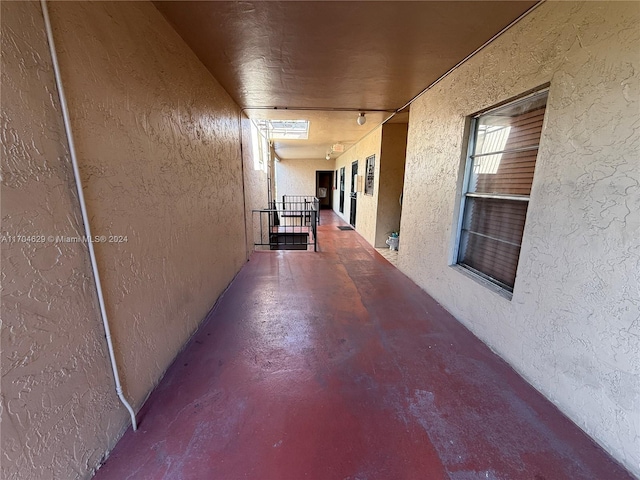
334 365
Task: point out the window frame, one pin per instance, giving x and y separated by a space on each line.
465 194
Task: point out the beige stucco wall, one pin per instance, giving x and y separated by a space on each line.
391 181
572 327
158 142
255 184
367 206
298 177
59 411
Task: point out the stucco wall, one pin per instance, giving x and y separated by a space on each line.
158 141
298 177
392 158
255 183
159 145
367 206
59 411
572 327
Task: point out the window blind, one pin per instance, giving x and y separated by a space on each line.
497 196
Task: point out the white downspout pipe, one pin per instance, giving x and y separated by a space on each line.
85 216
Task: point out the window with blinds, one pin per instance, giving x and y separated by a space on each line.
500 167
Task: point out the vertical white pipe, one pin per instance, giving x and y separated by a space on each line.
85 216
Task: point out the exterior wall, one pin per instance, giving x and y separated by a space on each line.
158 141
255 184
392 158
298 177
571 327
59 409
367 206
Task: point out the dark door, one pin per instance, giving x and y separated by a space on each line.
324 188
354 194
342 190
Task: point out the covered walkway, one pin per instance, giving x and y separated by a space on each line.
334 365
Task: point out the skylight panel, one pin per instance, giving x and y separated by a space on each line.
285 129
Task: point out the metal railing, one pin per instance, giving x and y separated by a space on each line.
301 202
291 224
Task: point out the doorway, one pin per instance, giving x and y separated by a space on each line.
324 188
341 190
354 194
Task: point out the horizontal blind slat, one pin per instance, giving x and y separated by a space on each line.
492 228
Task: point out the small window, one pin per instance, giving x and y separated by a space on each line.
371 168
502 157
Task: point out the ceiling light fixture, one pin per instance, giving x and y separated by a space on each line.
328 157
361 119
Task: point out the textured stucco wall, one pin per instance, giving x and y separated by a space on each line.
158 141
159 145
392 158
59 410
367 206
255 184
572 327
298 177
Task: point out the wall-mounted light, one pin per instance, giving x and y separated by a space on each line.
361 119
